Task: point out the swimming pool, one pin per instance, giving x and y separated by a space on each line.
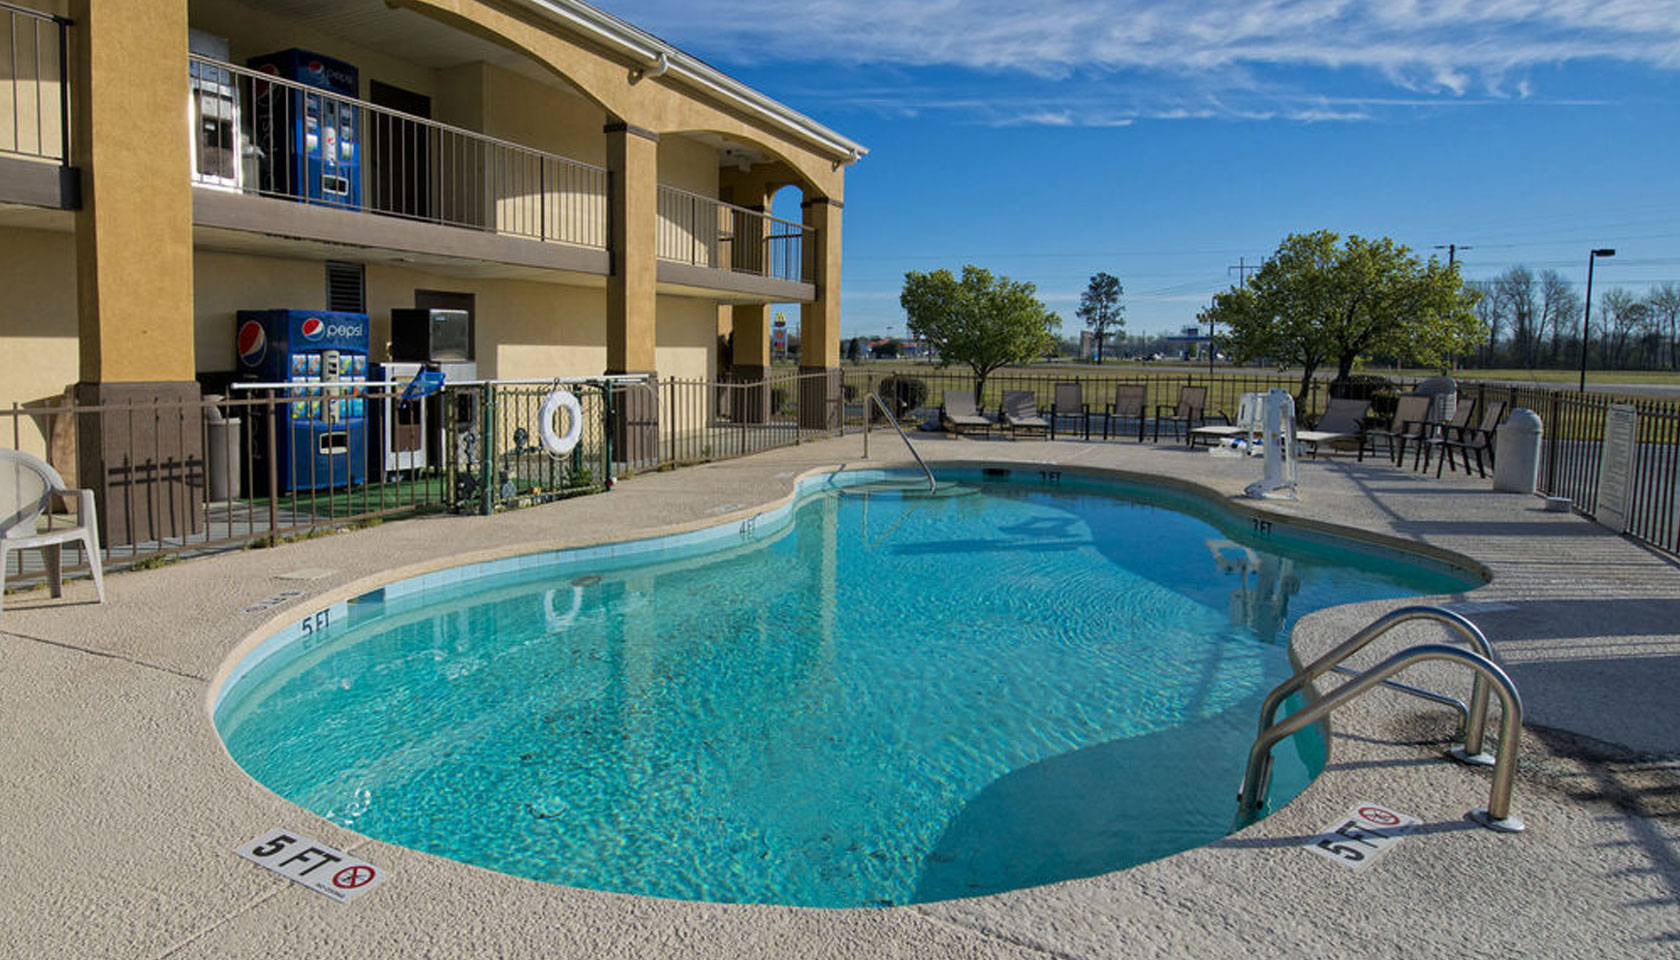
868 697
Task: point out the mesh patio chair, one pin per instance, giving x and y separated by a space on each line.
1070 402
1405 427
1190 411
1130 403
27 487
1477 440
1436 432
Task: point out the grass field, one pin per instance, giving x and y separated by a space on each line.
1543 377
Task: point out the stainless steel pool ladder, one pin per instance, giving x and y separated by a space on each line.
1256 780
881 404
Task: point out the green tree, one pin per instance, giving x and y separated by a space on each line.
1100 308
984 321
854 349
1318 301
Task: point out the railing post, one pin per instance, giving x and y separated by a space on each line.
486 442
1553 440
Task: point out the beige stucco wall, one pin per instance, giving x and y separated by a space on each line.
225 283
523 328
548 118
688 164
687 338
37 325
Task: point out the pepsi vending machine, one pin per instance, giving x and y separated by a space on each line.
322 429
310 140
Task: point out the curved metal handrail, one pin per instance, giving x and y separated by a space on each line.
1497 816
1476 716
932 486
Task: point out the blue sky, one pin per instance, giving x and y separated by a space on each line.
1163 141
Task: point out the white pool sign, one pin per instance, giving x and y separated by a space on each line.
1363 835
314 865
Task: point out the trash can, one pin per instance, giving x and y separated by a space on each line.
1443 392
226 453
1516 449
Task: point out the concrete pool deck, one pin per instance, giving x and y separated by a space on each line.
122 813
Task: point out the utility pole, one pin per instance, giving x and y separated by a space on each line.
1242 269
1452 252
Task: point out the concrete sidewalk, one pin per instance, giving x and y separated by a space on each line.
123 812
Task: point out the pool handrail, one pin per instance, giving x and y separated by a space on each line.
1475 718
876 397
1497 816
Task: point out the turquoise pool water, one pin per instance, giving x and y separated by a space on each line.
879 698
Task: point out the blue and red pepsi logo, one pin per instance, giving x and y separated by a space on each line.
253 343
313 329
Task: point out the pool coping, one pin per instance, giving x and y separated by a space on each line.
1573 883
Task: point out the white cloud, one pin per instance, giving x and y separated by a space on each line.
1442 47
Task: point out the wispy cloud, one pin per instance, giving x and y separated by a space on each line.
1215 58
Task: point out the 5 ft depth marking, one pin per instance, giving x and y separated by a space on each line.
314 865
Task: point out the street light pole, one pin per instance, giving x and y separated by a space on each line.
1586 315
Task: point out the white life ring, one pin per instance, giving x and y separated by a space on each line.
560 444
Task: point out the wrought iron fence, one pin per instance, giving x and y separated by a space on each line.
498 459
1574 451
263 466
703 232
703 420
257 133
217 473
34 94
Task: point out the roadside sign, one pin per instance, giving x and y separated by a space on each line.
314 865
1363 835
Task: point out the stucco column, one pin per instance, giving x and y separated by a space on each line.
751 324
819 320
134 283
632 294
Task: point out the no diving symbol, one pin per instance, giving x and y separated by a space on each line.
352 877
1376 815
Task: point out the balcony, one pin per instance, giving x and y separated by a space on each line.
34 112
706 242
280 158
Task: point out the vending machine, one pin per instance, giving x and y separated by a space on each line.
311 140
321 439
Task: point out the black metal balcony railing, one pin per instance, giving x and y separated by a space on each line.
256 133
34 100
703 232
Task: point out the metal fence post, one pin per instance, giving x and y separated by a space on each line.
486 441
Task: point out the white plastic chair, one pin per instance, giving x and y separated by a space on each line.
27 486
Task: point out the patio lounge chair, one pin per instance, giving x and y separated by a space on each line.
958 413
1477 440
1190 411
1406 426
1020 412
1130 403
1070 402
1342 420
27 487
1245 427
